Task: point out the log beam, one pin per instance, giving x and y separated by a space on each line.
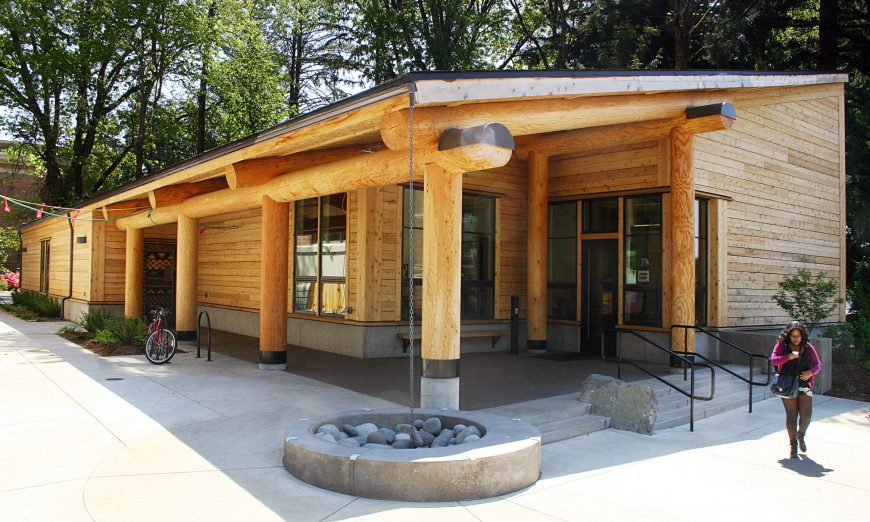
549 115
380 168
134 272
185 281
253 172
273 284
536 289
720 117
442 208
174 194
682 264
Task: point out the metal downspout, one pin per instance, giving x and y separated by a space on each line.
72 245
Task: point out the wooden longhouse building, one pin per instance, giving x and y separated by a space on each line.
627 200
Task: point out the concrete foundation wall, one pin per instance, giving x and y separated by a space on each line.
73 310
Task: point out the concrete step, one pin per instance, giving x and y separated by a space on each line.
558 418
543 410
555 431
703 409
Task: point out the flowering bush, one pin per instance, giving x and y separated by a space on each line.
12 279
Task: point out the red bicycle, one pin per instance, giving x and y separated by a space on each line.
159 341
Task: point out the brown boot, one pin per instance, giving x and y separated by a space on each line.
801 442
794 448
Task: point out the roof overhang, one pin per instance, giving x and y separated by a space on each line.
356 120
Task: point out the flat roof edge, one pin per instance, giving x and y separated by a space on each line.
460 88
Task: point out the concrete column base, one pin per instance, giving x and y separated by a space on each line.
439 393
282 366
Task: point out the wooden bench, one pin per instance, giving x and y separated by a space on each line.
494 335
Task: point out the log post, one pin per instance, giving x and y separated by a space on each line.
682 238
442 208
273 284
536 290
134 263
185 285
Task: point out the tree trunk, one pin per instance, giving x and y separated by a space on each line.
828 35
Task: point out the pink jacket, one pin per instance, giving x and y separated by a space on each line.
780 356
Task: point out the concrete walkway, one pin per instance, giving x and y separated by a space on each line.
110 439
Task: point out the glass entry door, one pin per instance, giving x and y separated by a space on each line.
600 296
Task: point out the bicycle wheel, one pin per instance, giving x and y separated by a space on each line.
160 351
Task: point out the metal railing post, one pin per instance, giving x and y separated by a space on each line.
515 325
692 402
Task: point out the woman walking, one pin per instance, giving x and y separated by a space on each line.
794 355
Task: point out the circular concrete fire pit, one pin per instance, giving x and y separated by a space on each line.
506 458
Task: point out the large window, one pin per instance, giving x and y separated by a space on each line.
44 262
643 260
320 273
600 215
701 262
478 255
562 261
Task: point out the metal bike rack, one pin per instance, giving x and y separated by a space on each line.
199 338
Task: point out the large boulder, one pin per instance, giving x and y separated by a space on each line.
631 407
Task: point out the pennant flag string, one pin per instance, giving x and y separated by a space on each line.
41 211
6 205
57 207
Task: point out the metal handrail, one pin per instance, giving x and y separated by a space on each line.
688 362
750 381
198 337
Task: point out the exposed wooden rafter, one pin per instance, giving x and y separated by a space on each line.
578 140
174 194
249 173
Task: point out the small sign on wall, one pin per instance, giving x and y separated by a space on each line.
643 276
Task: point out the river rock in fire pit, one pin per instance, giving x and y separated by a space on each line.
389 435
376 437
332 429
366 428
402 443
432 425
427 438
419 423
416 439
404 428
350 442
350 430
442 439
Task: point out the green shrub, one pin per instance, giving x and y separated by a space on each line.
74 332
807 299
4 285
20 311
106 338
95 319
128 330
40 303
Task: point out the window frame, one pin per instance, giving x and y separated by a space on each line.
551 285
44 265
318 279
642 287
465 283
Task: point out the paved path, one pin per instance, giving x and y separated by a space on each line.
202 441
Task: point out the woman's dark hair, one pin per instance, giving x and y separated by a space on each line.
794 325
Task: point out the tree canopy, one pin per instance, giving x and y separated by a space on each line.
105 92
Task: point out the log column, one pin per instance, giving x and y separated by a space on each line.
682 238
273 284
134 272
442 208
536 322
185 280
